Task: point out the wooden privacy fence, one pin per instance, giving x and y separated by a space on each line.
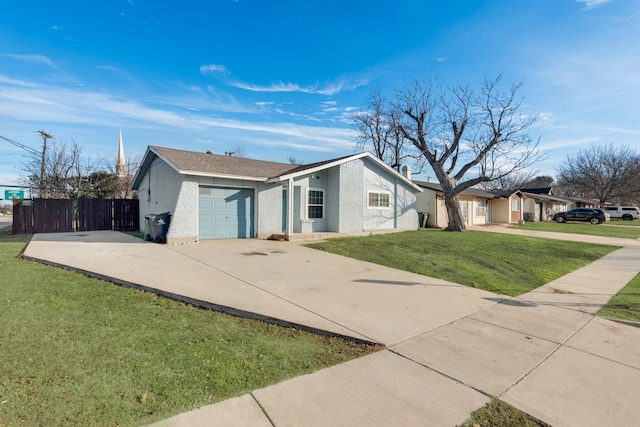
59 215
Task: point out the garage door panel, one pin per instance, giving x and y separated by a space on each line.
225 213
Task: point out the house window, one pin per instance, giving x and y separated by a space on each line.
515 204
481 209
378 200
315 204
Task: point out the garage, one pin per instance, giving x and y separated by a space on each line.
225 213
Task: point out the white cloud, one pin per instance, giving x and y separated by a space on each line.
55 27
592 4
331 89
71 107
213 69
441 59
8 80
33 58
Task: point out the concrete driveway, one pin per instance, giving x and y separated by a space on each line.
448 347
273 280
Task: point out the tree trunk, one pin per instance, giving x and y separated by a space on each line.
454 213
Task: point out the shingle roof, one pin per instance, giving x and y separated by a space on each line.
301 168
190 161
469 191
539 196
540 190
209 164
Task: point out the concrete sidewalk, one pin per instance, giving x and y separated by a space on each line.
448 346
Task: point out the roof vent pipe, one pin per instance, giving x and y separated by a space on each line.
406 171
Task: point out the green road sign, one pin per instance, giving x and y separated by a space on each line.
13 194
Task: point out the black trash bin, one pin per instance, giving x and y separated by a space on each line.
159 224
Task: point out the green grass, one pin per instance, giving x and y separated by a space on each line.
633 223
608 229
626 304
501 263
79 351
498 413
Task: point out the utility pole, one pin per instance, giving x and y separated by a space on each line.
44 136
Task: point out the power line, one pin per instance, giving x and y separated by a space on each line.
17 144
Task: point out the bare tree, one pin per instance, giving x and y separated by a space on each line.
63 172
467 138
378 127
513 181
119 186
540 181
238 151
604 172
292 160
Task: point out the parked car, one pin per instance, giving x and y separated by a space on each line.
627 213
593 215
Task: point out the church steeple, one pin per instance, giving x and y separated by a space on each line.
121 166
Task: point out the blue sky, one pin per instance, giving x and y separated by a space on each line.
280 78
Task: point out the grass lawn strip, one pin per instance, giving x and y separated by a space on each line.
626 304
617 229
499 413
633 223
500 263
78 351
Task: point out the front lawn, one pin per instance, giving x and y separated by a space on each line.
501 263
608 229
76 351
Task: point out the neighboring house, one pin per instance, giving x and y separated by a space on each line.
475 205
578 202
541 204
507 207
212 196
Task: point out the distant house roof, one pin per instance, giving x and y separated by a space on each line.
434 186
579 200
508 193
542 190
544 197
215 165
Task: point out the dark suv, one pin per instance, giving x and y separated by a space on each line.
593 215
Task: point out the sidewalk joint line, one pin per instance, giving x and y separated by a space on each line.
264 411
555 350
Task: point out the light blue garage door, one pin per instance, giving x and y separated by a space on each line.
225 213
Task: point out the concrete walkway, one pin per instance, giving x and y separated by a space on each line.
448 346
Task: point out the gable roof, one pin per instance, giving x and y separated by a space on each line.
311 168
540 190
503 194
215 165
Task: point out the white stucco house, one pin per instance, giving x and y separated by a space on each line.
212 196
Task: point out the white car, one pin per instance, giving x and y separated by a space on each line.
626 213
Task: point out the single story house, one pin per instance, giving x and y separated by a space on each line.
541 204
478 206
579 202
474 203
507 207
213 196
